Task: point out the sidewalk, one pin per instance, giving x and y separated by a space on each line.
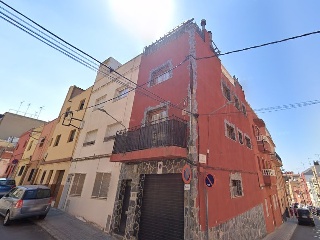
63 226
284 232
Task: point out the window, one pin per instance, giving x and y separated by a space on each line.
99 103
42 140
248 141
90 138
77 184
244 110
30 145
81 105
160 74
71 135
101 185
226 91
230 130
51 140
240 136
157 115
236 102
236 189
56 142
31 175
43 176
21 170
25 143
49 177
121 93
111 131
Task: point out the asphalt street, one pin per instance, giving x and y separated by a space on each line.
305 232
23 229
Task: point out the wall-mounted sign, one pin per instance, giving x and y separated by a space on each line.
209 180
202 158
186 174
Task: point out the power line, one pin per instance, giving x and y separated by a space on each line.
261 45
160 99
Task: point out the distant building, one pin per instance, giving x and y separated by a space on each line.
14 125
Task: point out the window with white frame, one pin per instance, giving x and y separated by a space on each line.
90 138
101 185
100 102
226 91
160 74
111 131
236 102
240 136
247 141
244 110
236 189
230 131
77 184
120 93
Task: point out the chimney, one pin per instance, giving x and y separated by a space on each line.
203 24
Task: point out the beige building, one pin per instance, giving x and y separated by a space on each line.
14 125
27 168
57 158
93 179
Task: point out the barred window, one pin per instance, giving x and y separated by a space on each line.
240 136
230 130
226 91
30 145
56 143
77 184
248 142
244 110
160 74
236 102
72 135
101 185
236 188
41 142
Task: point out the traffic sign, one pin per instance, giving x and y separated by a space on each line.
209 180
186 174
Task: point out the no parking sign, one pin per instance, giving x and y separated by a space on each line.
209 180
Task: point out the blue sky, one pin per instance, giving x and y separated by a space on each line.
31 72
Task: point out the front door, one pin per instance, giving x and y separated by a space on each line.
125 206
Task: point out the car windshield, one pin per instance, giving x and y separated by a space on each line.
303 212
36 194
7 182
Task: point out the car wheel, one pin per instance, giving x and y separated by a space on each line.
41 217
6 220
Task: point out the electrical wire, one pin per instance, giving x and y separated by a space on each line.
261 45
94 68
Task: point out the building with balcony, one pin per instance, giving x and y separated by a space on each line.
92 179
184 149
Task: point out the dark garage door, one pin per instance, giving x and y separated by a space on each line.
162 211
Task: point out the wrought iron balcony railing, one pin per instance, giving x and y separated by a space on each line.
165 132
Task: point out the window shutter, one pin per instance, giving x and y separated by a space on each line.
97 185
74 184
80 184
105 185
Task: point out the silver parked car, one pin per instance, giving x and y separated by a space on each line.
25 201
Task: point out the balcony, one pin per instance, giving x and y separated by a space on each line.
161 140
264 144
269 177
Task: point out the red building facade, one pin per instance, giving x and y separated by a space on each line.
190 113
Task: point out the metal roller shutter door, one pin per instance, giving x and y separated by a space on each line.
162 210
